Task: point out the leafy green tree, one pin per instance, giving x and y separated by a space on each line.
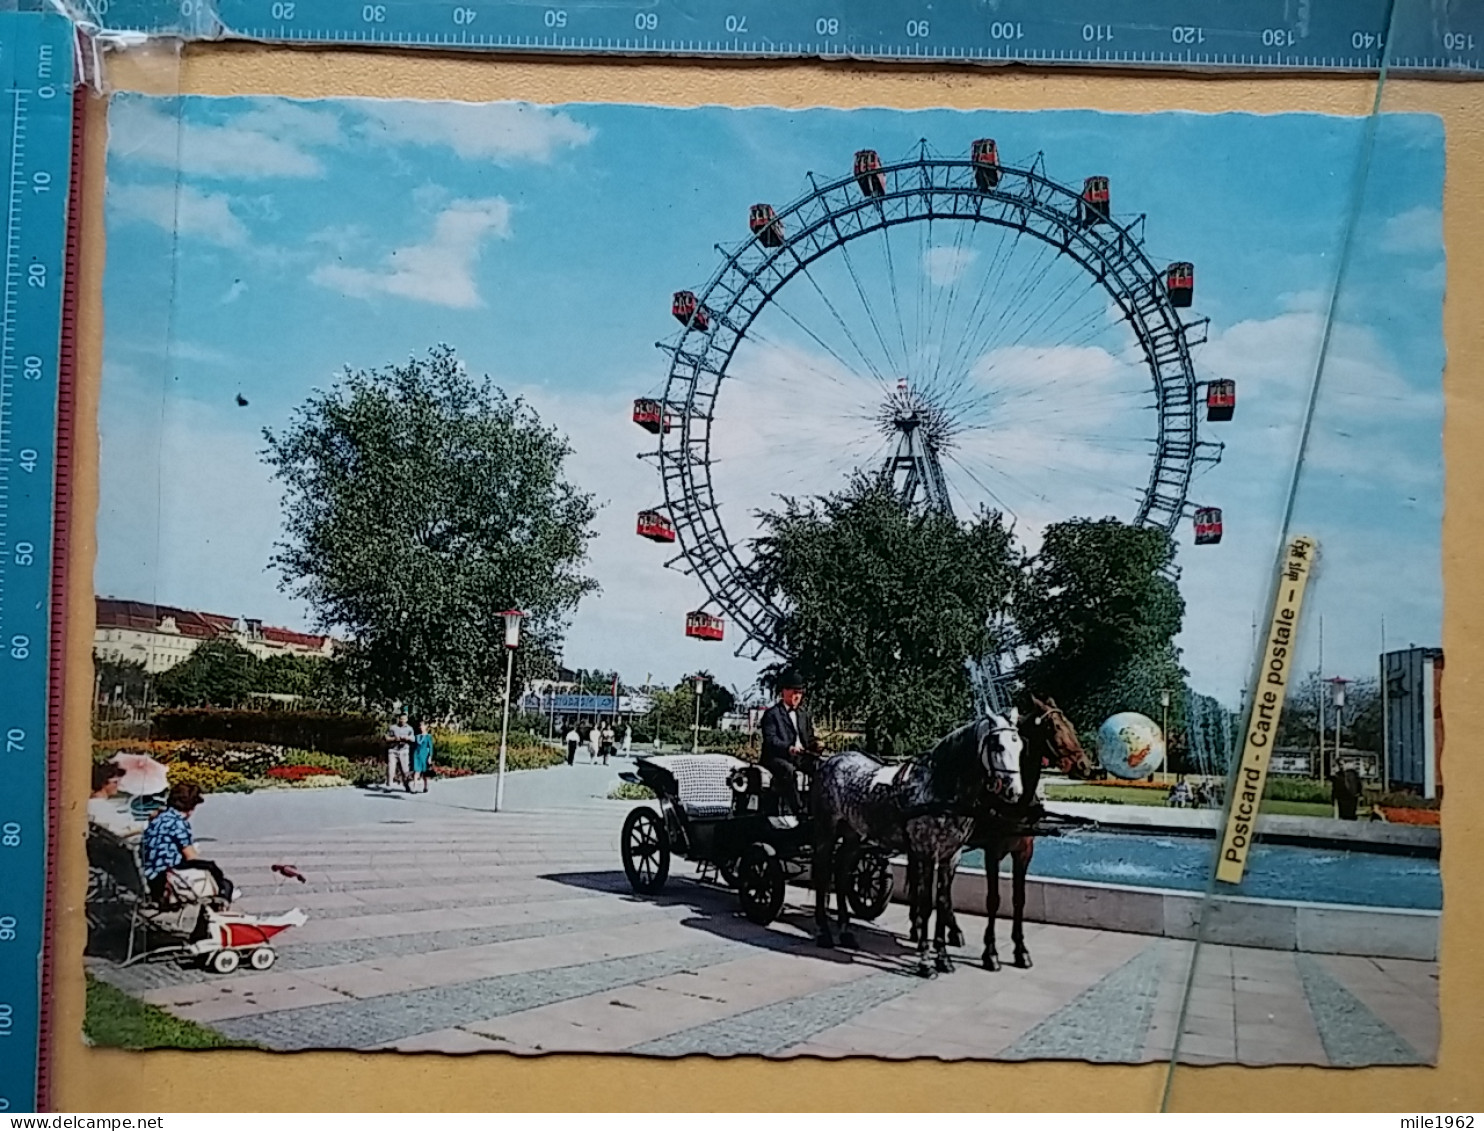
1099 614
420 501
124 680
219 673
673 715
288 674
1361 724
883 604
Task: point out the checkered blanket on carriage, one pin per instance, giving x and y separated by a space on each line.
700 781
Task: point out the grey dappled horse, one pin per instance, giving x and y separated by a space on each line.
924 807
1001 831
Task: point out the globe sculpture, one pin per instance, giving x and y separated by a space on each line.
1131 746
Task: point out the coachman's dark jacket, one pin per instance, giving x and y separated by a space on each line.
779 734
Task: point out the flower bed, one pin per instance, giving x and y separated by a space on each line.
1399 815
208 778
300 772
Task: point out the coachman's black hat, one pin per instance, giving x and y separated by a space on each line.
790 680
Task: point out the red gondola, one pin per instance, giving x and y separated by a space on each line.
1207 526
1096 201
765 225
1221 400
655 526
651 416
868 173
1180 283
688 310
986 158
704 626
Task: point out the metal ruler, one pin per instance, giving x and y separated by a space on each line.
1444 37
36 66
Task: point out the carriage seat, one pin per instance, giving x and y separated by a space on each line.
700 781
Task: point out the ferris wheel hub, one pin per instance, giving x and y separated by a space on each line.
907 410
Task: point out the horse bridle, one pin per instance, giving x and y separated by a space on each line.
997 777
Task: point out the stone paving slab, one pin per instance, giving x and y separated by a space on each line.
436 925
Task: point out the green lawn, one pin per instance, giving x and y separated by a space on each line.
1127 795
115 1019
1107 794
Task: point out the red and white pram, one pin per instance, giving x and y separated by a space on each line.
219 937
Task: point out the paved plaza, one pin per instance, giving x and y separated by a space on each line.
435 924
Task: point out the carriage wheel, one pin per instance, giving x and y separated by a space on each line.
225 961
262 958
760 883
646 851
868 884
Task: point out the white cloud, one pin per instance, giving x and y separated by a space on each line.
499 131
181 209
439 271
270 139
946 265
198 354
1418 229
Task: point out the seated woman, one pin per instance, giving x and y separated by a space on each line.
169 845
103 810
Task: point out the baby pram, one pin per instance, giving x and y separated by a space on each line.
190 921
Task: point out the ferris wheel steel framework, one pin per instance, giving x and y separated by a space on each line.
829 217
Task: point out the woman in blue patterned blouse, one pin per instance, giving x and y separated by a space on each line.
168 843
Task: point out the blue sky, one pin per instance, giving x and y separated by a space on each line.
258 246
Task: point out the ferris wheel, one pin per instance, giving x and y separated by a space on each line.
983 335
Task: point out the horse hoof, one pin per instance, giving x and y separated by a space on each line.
912 935
847 939
825 940
944 964
955 937
925 969
1023 959
991 962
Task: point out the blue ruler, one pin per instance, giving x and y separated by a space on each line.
36 65
1430 36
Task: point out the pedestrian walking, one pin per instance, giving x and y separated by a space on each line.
628 739
594 739
605 747
399 738
422 755
572 739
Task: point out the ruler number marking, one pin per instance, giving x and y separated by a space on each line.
7 928
283 11
826 25
646 21
555 17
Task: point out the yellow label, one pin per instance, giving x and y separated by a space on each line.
1279 654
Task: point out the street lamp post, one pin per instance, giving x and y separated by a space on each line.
695 742
1337 698
1164 731
513 617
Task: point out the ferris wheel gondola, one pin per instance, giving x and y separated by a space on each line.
1024 354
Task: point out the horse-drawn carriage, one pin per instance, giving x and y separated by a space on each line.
722 814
